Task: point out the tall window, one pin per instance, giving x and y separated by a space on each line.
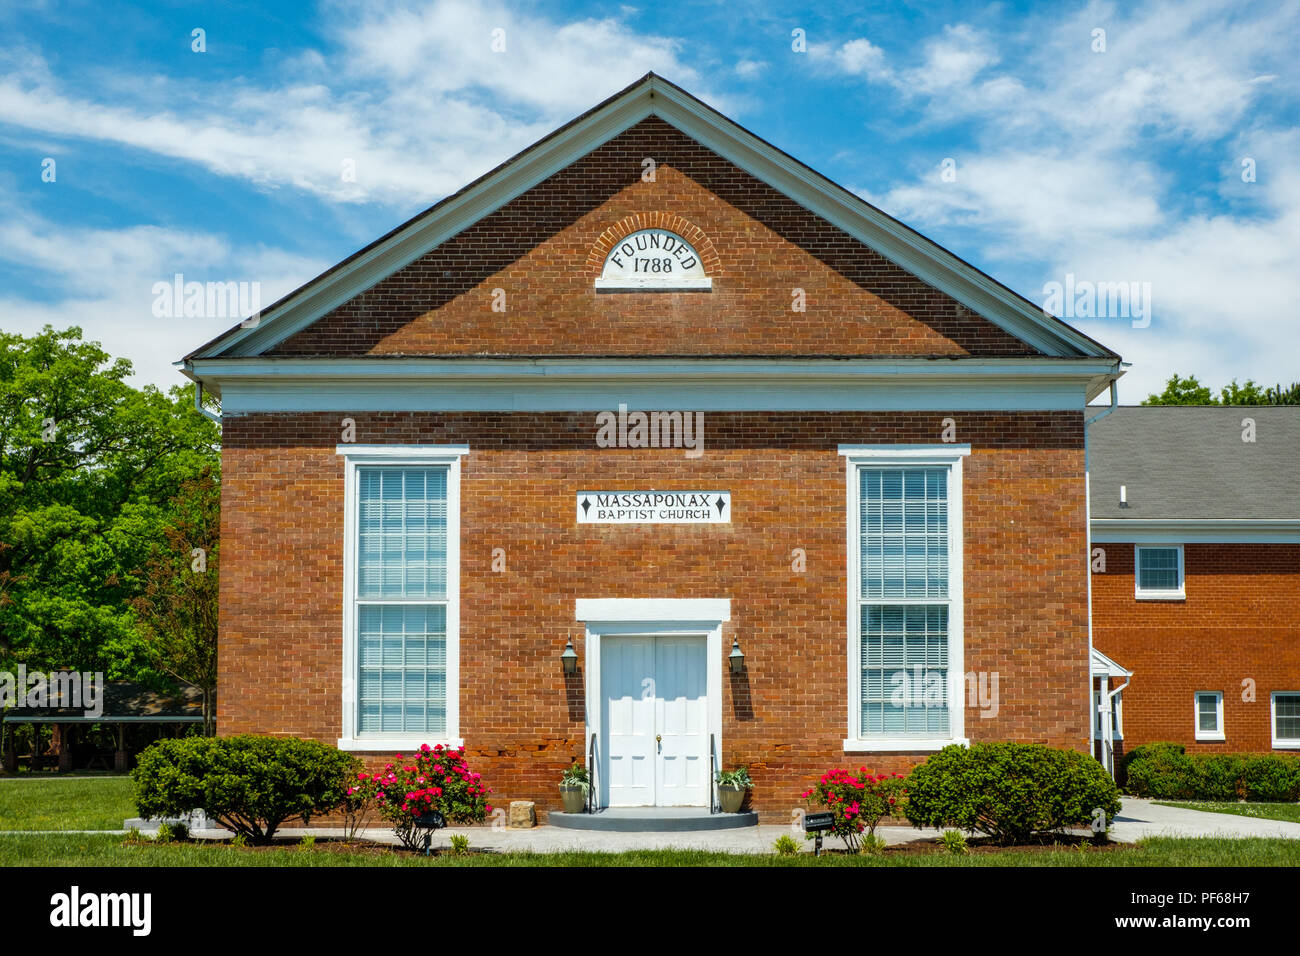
401 584
904 521
401 600
903 551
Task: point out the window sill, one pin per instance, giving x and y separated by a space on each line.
1286 745
1214 738
1161 597
903 744
394 744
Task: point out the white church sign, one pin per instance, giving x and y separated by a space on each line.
654 507
653 259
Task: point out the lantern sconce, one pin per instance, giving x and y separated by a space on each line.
569 659
736 658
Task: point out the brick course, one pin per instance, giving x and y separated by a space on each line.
539 250
1238 621
281 604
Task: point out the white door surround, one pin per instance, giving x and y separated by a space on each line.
649 618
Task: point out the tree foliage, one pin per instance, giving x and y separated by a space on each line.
89 470
1189 391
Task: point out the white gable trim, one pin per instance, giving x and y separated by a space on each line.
655 96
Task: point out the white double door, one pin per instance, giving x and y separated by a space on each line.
655 703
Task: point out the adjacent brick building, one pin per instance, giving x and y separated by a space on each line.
655 398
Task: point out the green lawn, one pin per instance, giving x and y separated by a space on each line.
1289 812
91 803
70 849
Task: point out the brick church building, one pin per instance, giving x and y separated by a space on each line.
654 450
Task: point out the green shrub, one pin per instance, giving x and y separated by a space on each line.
1272 777
250 784
164 834
1165 771
786 846
1161 770
1009 791
459 844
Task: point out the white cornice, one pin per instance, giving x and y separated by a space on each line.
304 385
655 96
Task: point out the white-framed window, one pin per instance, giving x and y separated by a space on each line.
904 516
401 604
1158 572
1285 706
1116 716
1209 715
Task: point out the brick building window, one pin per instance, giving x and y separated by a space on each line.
905 557
1209 715
1286 720
1158 572
401 583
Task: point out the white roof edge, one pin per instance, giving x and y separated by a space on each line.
475 368
655 96
1101 664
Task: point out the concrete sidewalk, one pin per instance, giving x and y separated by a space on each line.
1137 819
1143 818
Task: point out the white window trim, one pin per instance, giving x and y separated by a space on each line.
354 457
1278 743
949 456
1158 594
1209 735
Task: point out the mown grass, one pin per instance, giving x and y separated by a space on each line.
70 849
1290 812
91 803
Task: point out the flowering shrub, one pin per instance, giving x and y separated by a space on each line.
858 802
433 780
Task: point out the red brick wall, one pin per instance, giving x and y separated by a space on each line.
757 245
281 597
1240 620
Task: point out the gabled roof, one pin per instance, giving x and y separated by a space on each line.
1189 463
652 95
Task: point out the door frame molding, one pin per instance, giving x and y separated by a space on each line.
651 617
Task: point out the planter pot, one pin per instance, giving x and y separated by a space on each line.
730 798
575 799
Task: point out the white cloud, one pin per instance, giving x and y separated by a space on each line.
107 286
415 101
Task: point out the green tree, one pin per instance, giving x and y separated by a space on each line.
1189 391
1183 391
177 609
89 466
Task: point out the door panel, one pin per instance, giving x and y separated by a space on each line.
655 687
625 666
681 717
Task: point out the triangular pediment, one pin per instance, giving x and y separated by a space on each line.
788 263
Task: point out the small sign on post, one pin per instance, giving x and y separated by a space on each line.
818 823
428 822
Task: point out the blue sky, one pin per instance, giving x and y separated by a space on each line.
1114 164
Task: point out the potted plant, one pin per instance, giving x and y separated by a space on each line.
732 786
573 788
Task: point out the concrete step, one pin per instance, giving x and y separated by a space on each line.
652 820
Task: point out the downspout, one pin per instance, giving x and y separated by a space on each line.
1087 504
198 405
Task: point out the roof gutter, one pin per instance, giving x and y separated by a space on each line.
198 403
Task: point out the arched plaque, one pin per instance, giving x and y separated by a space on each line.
652 259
